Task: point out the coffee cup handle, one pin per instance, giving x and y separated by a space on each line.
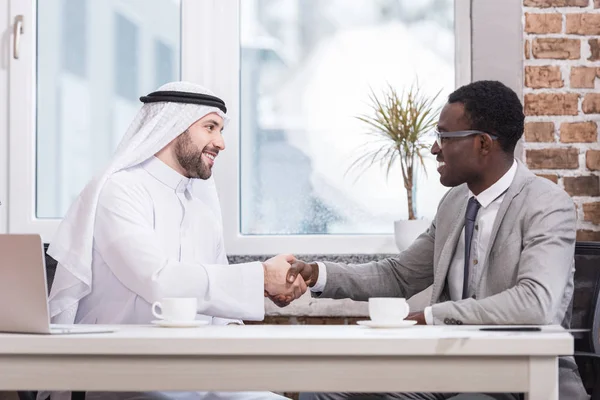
154 312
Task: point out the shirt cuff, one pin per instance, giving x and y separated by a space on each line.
428 315
321 280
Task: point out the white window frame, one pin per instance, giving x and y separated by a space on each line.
4 25
220 71
211 56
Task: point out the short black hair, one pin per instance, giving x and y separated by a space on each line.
494 108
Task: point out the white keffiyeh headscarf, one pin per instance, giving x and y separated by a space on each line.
155 126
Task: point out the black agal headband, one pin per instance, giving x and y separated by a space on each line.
185 97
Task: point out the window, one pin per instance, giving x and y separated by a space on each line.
164 59
305 70
74 36
294 74
90 62
126 58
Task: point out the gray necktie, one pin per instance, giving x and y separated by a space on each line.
470 217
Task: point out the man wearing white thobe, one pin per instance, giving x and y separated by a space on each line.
149 227
148 220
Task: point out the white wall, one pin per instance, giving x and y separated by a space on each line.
497 45
497 42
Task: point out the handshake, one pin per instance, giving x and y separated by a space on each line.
287 278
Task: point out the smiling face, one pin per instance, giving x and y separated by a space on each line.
197 148
459 158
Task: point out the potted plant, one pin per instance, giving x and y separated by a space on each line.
398 122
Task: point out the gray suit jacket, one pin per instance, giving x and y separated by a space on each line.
527 277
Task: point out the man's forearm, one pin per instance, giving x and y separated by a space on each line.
361 281
517 305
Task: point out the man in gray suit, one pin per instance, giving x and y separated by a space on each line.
500 249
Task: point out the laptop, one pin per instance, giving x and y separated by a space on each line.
23 289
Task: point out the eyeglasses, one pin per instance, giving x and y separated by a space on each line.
441 135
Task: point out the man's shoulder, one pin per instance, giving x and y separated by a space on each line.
538 196
126 183
121 180
544 190
530 184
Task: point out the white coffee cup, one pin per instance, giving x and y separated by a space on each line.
176 308
388 309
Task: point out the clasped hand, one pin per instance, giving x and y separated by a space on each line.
286 278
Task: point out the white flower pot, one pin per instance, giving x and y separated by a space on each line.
406 231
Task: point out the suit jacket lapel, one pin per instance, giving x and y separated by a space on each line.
522 176
448 251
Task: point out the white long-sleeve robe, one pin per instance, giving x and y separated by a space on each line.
153 239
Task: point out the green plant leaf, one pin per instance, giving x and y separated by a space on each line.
398 122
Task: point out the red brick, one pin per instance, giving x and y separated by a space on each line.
587 235
555 48
553 178
527 49
583 24
594 49
578 132
539 132
553 158
543 23
596 3
583 77
592 160
551 103
591 103
582 185
591 212
555 3
543 77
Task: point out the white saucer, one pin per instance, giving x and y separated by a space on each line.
180 324
387 325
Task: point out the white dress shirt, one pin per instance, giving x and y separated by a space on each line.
490 200
153 239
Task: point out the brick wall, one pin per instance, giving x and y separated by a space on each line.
562 106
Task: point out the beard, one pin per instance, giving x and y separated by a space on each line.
190 158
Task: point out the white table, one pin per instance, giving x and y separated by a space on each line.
288 358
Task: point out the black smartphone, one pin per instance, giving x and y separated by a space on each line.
513 329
